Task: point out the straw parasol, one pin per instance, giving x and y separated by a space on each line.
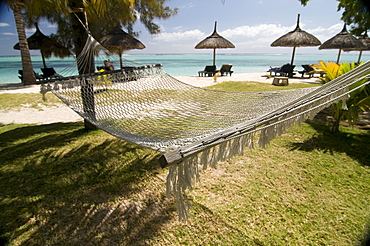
215 41
46 45
119 41
343 41
366 42
296 38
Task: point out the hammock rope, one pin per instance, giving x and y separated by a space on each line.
193 127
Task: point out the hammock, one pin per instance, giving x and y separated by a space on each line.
191 126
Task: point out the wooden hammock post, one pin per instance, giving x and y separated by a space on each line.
80 27
88 101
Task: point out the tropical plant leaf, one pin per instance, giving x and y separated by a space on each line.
364 104
331 69
346 67
358 99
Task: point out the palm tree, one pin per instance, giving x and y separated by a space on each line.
109 12
102 16
28 74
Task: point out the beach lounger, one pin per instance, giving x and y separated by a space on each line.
320 72
306 70
275 71
226 69
288 70
285 70
37 76
310 71
50 73
208 71
103 68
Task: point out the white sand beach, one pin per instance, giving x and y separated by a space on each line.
62 113
258 77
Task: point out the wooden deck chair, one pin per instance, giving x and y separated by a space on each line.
226 69
306 70
208 71
49 72
37 76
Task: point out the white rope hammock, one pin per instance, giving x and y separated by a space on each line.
191 126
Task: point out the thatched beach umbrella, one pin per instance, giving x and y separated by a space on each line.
296 38
342 41
215 41
46 45
119 41
366 42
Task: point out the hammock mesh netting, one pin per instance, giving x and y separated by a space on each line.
191 126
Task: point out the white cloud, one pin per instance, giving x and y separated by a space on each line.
329 31
178 28
317 30
179 36
262 35
30 31
189 4
52 25
335 28
261 30
324 34
246 38
3 24
9 33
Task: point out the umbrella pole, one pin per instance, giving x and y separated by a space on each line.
340 50
359 56
214 57
43 58
291 63
120 59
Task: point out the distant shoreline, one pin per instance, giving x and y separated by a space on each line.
181 64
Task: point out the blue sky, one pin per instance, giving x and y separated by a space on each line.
252 25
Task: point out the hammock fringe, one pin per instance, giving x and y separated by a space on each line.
234 147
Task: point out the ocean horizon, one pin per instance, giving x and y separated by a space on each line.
182 64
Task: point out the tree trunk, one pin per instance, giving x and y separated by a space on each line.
28 74
338 114
335 126
79 35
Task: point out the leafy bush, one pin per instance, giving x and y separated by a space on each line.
359 100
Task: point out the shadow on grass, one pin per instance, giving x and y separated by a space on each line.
62 185
354 145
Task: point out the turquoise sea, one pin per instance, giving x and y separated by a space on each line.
184 64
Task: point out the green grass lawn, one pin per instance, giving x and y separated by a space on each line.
256 86
63 185
10 101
